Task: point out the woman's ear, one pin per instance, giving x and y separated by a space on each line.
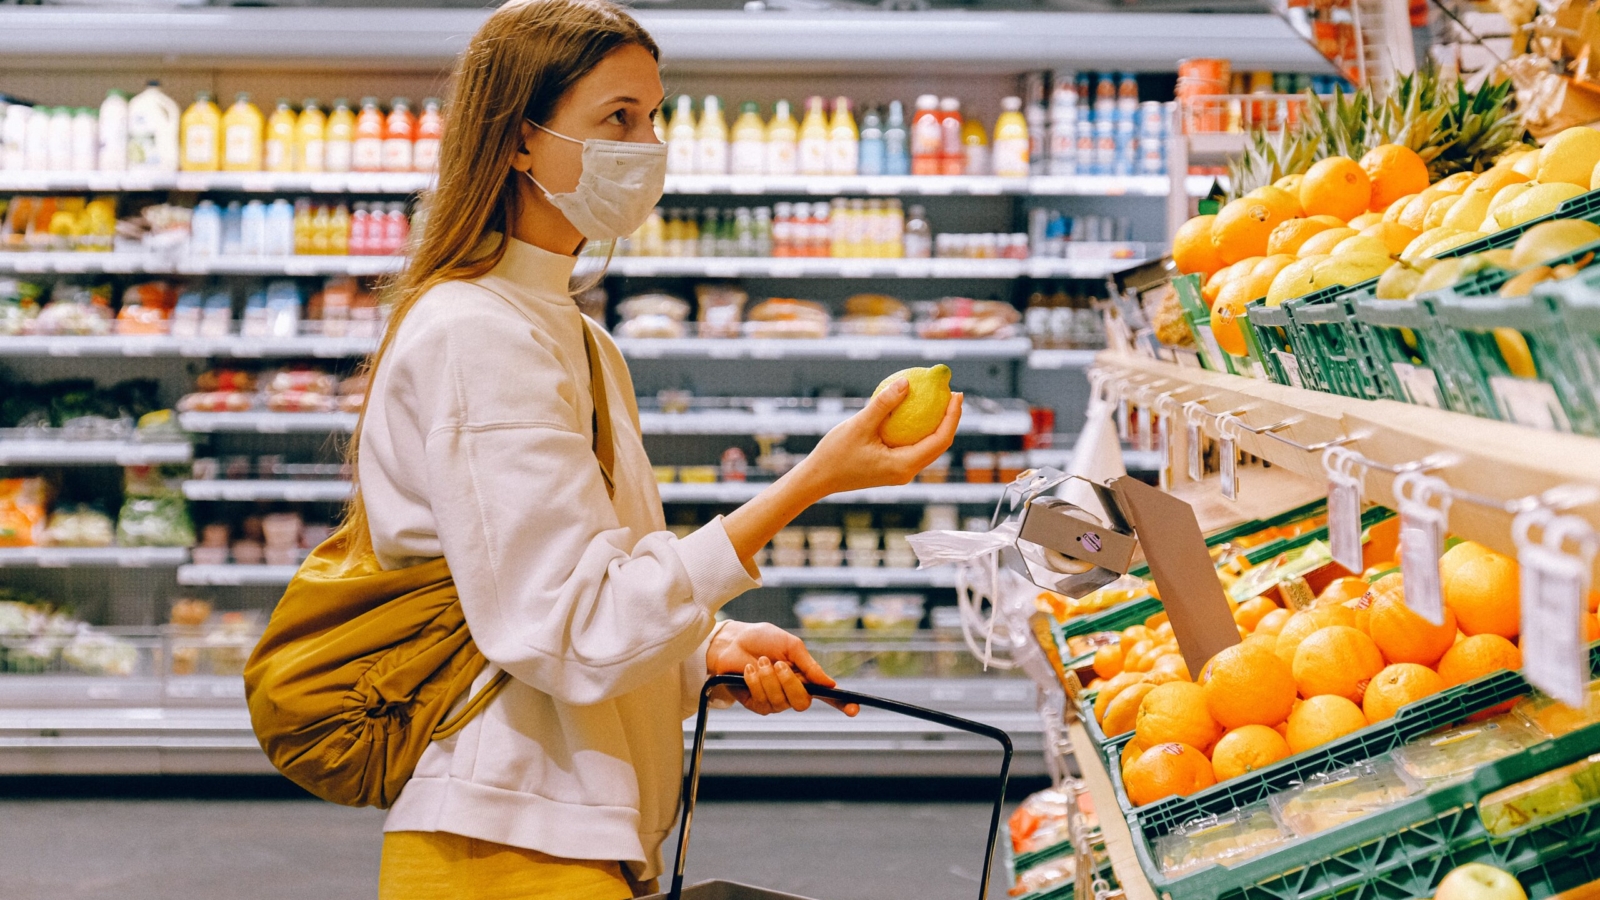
522 160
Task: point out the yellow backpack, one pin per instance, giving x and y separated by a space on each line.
359 668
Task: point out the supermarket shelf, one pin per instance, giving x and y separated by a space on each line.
1056 359
82 725
406 183
1215 147
915 492
100 557
249 491
1016 422
1200 185
632 266
1113 825
961 41
772 576
200 348
1501 460
46 452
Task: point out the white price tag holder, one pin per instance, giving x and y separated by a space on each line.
1422 529
1165 408
1344 507
1123 429
1193 415
1555 588
1143 427
1228 456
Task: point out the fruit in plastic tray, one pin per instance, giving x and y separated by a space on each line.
1456 752
1558 719
1541 798
1333 798
1243 834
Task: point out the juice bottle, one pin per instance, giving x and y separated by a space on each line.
975 147
366 152
871 156
113 150
321 220
783 139
844 141
356 243
711 139
310 138
927 138
399 132
896 142
396 228
201 130
430 128
242 132
60 158
302 226
339 231
682 138
749 149
815 139
85 139
152 131
952 158
1011 140
279 155
339 138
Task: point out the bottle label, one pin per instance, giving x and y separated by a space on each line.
681 156
200 145
239 145
338 156
748 157
367 154
1011 157
813 156
397 155
425 154
843 156
277 156
782 158
711 157
311 156
927 138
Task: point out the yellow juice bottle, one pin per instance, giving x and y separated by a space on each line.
309 138
844 140
783 138
711 140
815 139
200 131
339 137
682 138
339 230
321 221
242 133
278 153
747 156
302 227
1010 154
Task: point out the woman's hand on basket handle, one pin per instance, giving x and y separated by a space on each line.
775 666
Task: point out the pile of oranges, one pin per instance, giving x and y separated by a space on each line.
1300 679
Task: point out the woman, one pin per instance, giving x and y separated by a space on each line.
479 443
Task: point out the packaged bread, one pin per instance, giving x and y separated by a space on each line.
653 315
721 308
783 317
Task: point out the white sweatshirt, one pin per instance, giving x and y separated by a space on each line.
477 447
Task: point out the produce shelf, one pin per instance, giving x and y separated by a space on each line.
835 347
55 452
230 575
98 557
1061 359
248 491
267 422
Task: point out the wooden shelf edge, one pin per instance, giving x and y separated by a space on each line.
1490 458
1113 825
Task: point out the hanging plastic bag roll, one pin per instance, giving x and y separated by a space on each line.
1097 456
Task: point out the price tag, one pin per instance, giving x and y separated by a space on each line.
1419 383
1214 354
1344 508
1191 435
1531 403
1422 531
1164 448
1291 367
936 186
1122 419
1555 585
985 187
1230 467
1143 431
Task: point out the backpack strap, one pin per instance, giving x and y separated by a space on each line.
604 443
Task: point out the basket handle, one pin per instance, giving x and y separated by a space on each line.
843 696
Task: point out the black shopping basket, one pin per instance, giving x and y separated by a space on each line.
728 890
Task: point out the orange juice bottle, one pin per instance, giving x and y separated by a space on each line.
844 140
339 138
430 128
310 138
815 139
321 222
302 227
399 131
367 149
242 132
339 230
279 152
1010 154
200 131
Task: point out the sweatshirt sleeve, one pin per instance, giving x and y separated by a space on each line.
552 590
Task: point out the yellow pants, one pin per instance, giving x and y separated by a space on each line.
422 865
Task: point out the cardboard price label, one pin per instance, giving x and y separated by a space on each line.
1344 508
1555 587
1422 530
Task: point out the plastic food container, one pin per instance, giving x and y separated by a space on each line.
697 474
861 539
824 537
665 474
828 613
1547 796
1454 753
938 471
1227 839
1333 798
1557 719
789 539
940 517
1010 465
788 558
979 467
868 559
894 618
952 658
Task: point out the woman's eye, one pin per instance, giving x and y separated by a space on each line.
620 117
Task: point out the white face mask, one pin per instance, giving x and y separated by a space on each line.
621 184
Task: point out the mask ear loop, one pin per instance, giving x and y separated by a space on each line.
546 191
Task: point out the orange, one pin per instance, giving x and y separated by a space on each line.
1133 660
1287 205
1337 660
1162 631
1177 712
1322 719
1341 589
1228 314
1131 751
1241 229
1267 642
1108 660
1109 691
1394 171
1192 249
1336 186
1132 635
1476 656
1594 601
1246 749
1157 620
1303 623
1174 663
1396 686
1167 769
1291 233
1124 710
1248 685
1402 635
1272 622
1485 591
1383 543
1252 611
1361 606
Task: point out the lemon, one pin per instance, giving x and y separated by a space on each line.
1441 274
1456 183
1502 197
1569 157
1423 241
1514 350
1361 243
1294 280
1438 209
1527 163
1349 268
1496 178
1324 241
1399 281
1539 200
1394 236
1468 212
1548 240
1366 220
1450 242
920 413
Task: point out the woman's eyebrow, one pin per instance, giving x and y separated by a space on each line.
620 99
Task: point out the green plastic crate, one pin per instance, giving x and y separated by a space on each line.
1583 206
1269 339
1579 302
1411 355
1197 314
1328 334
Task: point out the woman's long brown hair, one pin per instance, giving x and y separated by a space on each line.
518 66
